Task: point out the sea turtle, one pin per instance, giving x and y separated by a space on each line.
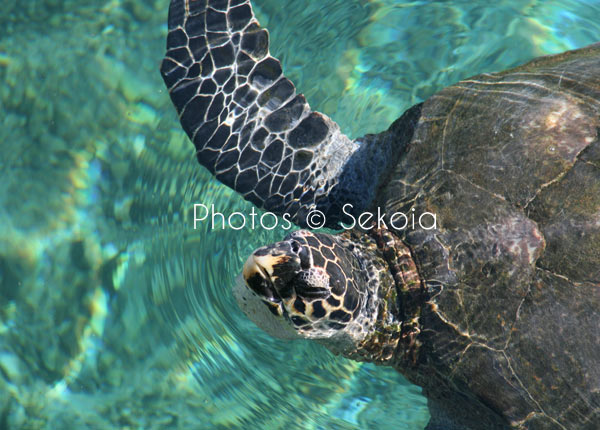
492 303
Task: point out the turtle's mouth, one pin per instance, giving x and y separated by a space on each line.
258 274
269 272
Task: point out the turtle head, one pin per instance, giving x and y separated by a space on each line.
316 286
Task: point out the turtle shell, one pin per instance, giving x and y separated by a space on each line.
509 163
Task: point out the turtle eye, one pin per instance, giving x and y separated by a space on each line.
309 291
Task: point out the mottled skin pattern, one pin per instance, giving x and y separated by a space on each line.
496 313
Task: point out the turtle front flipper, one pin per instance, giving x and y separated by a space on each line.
251 129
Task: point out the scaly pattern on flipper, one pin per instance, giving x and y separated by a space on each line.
250 128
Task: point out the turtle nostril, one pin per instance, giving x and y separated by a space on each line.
295 246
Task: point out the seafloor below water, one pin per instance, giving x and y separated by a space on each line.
114 311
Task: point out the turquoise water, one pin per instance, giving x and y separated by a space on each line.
114 311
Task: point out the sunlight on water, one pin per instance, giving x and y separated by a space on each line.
114 311
384 56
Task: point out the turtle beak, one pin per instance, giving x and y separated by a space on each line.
269 270
258 274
